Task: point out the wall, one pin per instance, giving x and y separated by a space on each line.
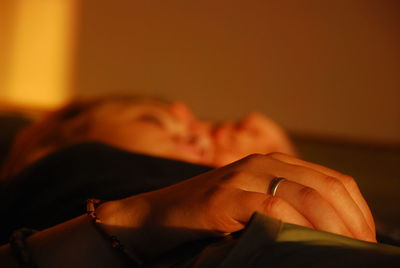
37 51
325 68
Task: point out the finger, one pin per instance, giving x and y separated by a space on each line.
330 188
246 203
306 201
313 207
348 182
336 194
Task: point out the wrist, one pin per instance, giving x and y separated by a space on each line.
127 222
123 214
143 225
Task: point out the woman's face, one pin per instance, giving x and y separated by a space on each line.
254 133
172 131
165 130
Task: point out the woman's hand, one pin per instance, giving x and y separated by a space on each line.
222 201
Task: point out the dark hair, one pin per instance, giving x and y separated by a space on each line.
63 127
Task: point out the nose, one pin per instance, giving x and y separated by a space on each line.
250 120
200 128
197 135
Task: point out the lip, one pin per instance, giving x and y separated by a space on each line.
218 133
223 132
196 154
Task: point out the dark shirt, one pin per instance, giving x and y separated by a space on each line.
55 188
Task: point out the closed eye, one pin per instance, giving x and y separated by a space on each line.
149 118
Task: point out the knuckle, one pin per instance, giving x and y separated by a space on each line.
333 184
349 181
254 158
276 155
234 177
238 174
309 196
272 205
302 171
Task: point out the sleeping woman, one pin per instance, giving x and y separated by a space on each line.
148 126
167 179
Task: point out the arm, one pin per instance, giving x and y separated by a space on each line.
74 243
215 203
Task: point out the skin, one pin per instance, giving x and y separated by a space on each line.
154 129
223 200
215 203
254 133
173 131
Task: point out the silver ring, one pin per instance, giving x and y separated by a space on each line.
273 187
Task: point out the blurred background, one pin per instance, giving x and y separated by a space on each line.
328 71
322 68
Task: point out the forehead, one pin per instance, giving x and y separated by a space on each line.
121 109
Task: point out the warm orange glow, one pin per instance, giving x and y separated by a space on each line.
39 66
322 69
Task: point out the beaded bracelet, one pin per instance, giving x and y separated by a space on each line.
91 205
18 247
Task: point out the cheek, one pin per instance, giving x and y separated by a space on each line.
238 139
136 138
245 139
152 142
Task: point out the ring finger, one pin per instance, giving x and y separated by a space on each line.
313 207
